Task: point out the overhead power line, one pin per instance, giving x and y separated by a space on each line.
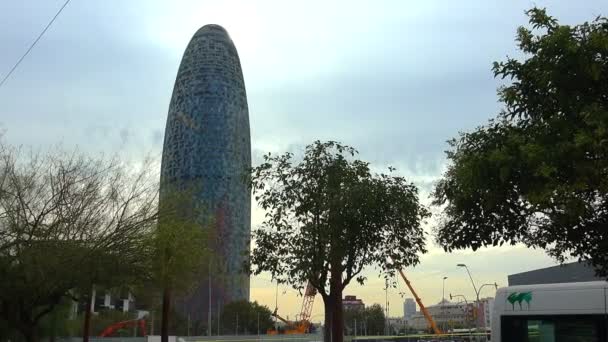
33 44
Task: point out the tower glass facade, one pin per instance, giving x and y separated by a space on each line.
207 149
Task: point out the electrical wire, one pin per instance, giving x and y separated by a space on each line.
33 44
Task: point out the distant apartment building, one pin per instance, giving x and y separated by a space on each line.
446 315
449 316
409 308
352 303
486 305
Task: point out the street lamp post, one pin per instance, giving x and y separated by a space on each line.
458 295
386 326
443 290
470 277
481 287
443 302
476 293
466 303
495 286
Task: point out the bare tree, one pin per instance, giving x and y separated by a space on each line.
68 221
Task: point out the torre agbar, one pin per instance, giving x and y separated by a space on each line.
207 149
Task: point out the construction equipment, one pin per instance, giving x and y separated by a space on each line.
307 302
301 326
425 312
141 323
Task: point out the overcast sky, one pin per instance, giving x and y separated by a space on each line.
395 79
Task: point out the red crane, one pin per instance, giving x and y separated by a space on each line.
141 323
302 326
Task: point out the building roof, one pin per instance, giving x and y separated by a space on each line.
566 273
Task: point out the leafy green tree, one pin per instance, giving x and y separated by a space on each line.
248 315
350 317
328 216
374 319
179 250
370 320
537 173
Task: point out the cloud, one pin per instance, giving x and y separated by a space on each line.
157 137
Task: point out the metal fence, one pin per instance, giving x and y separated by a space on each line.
254 338
104 339
224 338
457 337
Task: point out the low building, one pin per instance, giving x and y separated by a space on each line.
352 303
447 316
567 273
103 300
396 325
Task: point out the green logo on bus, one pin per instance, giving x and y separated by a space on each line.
516 297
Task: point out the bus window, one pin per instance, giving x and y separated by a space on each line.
540 331
582 328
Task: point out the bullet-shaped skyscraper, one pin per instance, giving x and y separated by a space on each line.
207 144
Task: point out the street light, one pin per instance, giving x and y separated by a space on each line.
476 292
466 303
470 277
458 295
479 303
495 286
443 301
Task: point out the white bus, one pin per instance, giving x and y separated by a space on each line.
551 313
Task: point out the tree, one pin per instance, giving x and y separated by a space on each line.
375 320
248 314
537 174
179 248
65 220
350 317
327 217
370 320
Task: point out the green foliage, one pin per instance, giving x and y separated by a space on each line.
537 173
179 248
247 313
327 217
179 243
370 319
329 207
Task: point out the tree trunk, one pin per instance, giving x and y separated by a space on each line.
26 327
337 318
327 324
53 326
29 334
86 331
335 294
164 325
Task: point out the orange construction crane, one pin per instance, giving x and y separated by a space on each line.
425 312
302 326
